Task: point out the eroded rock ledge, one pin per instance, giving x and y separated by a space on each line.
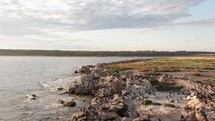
119 96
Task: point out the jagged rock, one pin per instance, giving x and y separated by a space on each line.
200 115
84 69
103 92
131 109
141 119
108 116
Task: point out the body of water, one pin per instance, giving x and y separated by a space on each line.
23 76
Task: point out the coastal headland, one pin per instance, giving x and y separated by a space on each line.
159 89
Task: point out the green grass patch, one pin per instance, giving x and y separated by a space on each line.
147 102
109 70
170 64
168 87
163 86
211 80
169 105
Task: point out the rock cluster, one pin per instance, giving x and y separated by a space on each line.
116 93
113 95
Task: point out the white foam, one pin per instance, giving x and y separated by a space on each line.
60 83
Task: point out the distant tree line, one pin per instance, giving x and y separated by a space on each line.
9 52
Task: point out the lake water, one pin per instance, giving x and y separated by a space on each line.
23 76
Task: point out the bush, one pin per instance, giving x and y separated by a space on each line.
170 105
147 102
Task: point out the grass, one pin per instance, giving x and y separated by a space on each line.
211 80
147 102
169 105
171 87
113 69
163 86
170 64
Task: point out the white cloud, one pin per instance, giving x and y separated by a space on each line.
42 23
89 14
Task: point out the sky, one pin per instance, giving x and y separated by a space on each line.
112 25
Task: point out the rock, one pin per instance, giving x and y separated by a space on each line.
33 98
200 115
60 88
70 104
84 69
61 102
131 109
183 119
108 116
76 72
162 78
33 95
141 119
103 93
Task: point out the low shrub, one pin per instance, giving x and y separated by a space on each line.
170 105
147 102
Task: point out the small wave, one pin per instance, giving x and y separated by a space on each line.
60 84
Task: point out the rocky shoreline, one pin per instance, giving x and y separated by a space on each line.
129 95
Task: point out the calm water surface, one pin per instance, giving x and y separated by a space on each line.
20 76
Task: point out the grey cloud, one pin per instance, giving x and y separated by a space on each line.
30 17
198 23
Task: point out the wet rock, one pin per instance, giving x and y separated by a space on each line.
60 88
33 98
70 104
33 95
61 102
76 72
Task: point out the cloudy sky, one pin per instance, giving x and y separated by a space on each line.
108 24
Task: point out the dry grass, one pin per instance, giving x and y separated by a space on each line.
170 64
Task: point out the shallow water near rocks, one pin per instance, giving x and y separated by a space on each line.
21 77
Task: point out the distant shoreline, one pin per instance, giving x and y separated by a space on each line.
59 53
